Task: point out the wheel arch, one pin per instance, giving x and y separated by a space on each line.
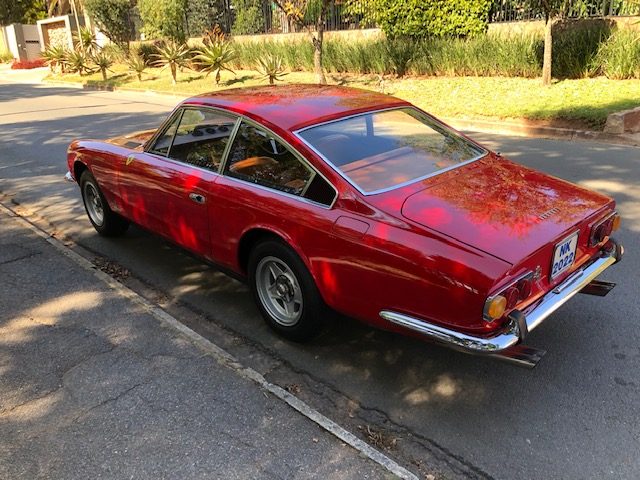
79 167
256 234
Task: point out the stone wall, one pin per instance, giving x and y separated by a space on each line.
349 35
537 26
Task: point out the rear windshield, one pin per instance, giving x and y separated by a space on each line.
380 150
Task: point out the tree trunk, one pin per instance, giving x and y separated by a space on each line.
548 45
173 73
104 74
317 45
317 59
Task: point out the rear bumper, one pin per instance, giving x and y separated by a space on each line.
521 323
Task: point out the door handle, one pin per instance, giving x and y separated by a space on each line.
196 197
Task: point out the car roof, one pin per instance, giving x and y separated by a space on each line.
291 107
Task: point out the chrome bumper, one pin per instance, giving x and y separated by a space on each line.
69 178
521 323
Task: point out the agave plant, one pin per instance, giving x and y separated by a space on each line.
172 55
270 66
54 56
85 39
77 62
137 64
103 60
215 58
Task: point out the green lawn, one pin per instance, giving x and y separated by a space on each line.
583 103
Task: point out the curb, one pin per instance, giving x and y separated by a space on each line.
108 88
541 131
499 127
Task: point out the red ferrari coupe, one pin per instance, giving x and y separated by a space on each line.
325 196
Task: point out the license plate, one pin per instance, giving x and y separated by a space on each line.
564 255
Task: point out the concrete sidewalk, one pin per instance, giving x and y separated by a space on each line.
94 386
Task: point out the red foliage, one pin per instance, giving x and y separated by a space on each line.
27 64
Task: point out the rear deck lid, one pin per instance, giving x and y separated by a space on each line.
502 208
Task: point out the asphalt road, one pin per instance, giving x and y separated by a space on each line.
575 416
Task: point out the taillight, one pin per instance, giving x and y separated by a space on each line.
601 230
524 286
498 305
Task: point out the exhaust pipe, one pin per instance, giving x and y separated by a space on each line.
520 356
599 288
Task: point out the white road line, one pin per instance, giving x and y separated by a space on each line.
222 356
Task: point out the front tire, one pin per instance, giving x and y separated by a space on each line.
103 219
285 292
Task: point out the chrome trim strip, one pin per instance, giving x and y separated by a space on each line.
173 161
280 192
400 185
552 300
512 334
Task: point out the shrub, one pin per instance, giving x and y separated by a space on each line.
85 38
163 18
54 56
114 19
575 46
149 51
249 18
577 53
271 67
103 60
27 64
77 61
116 52
6 56
619 57
418 18
172 55
215 58
202 15
136 64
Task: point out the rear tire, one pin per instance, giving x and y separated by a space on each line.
103 219
285 292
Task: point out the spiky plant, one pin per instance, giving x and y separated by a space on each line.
77 62
137 64
55 56
172 55
103 60
214 58
270 66
85 39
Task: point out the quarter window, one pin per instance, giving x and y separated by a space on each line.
257 157
163 143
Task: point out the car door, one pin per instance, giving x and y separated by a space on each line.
166 187
266 184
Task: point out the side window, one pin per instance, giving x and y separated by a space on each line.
257 157
162 144
202 137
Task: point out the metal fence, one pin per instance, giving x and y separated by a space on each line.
351 14
522 10
341 15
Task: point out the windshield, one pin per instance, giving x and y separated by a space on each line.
380 150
